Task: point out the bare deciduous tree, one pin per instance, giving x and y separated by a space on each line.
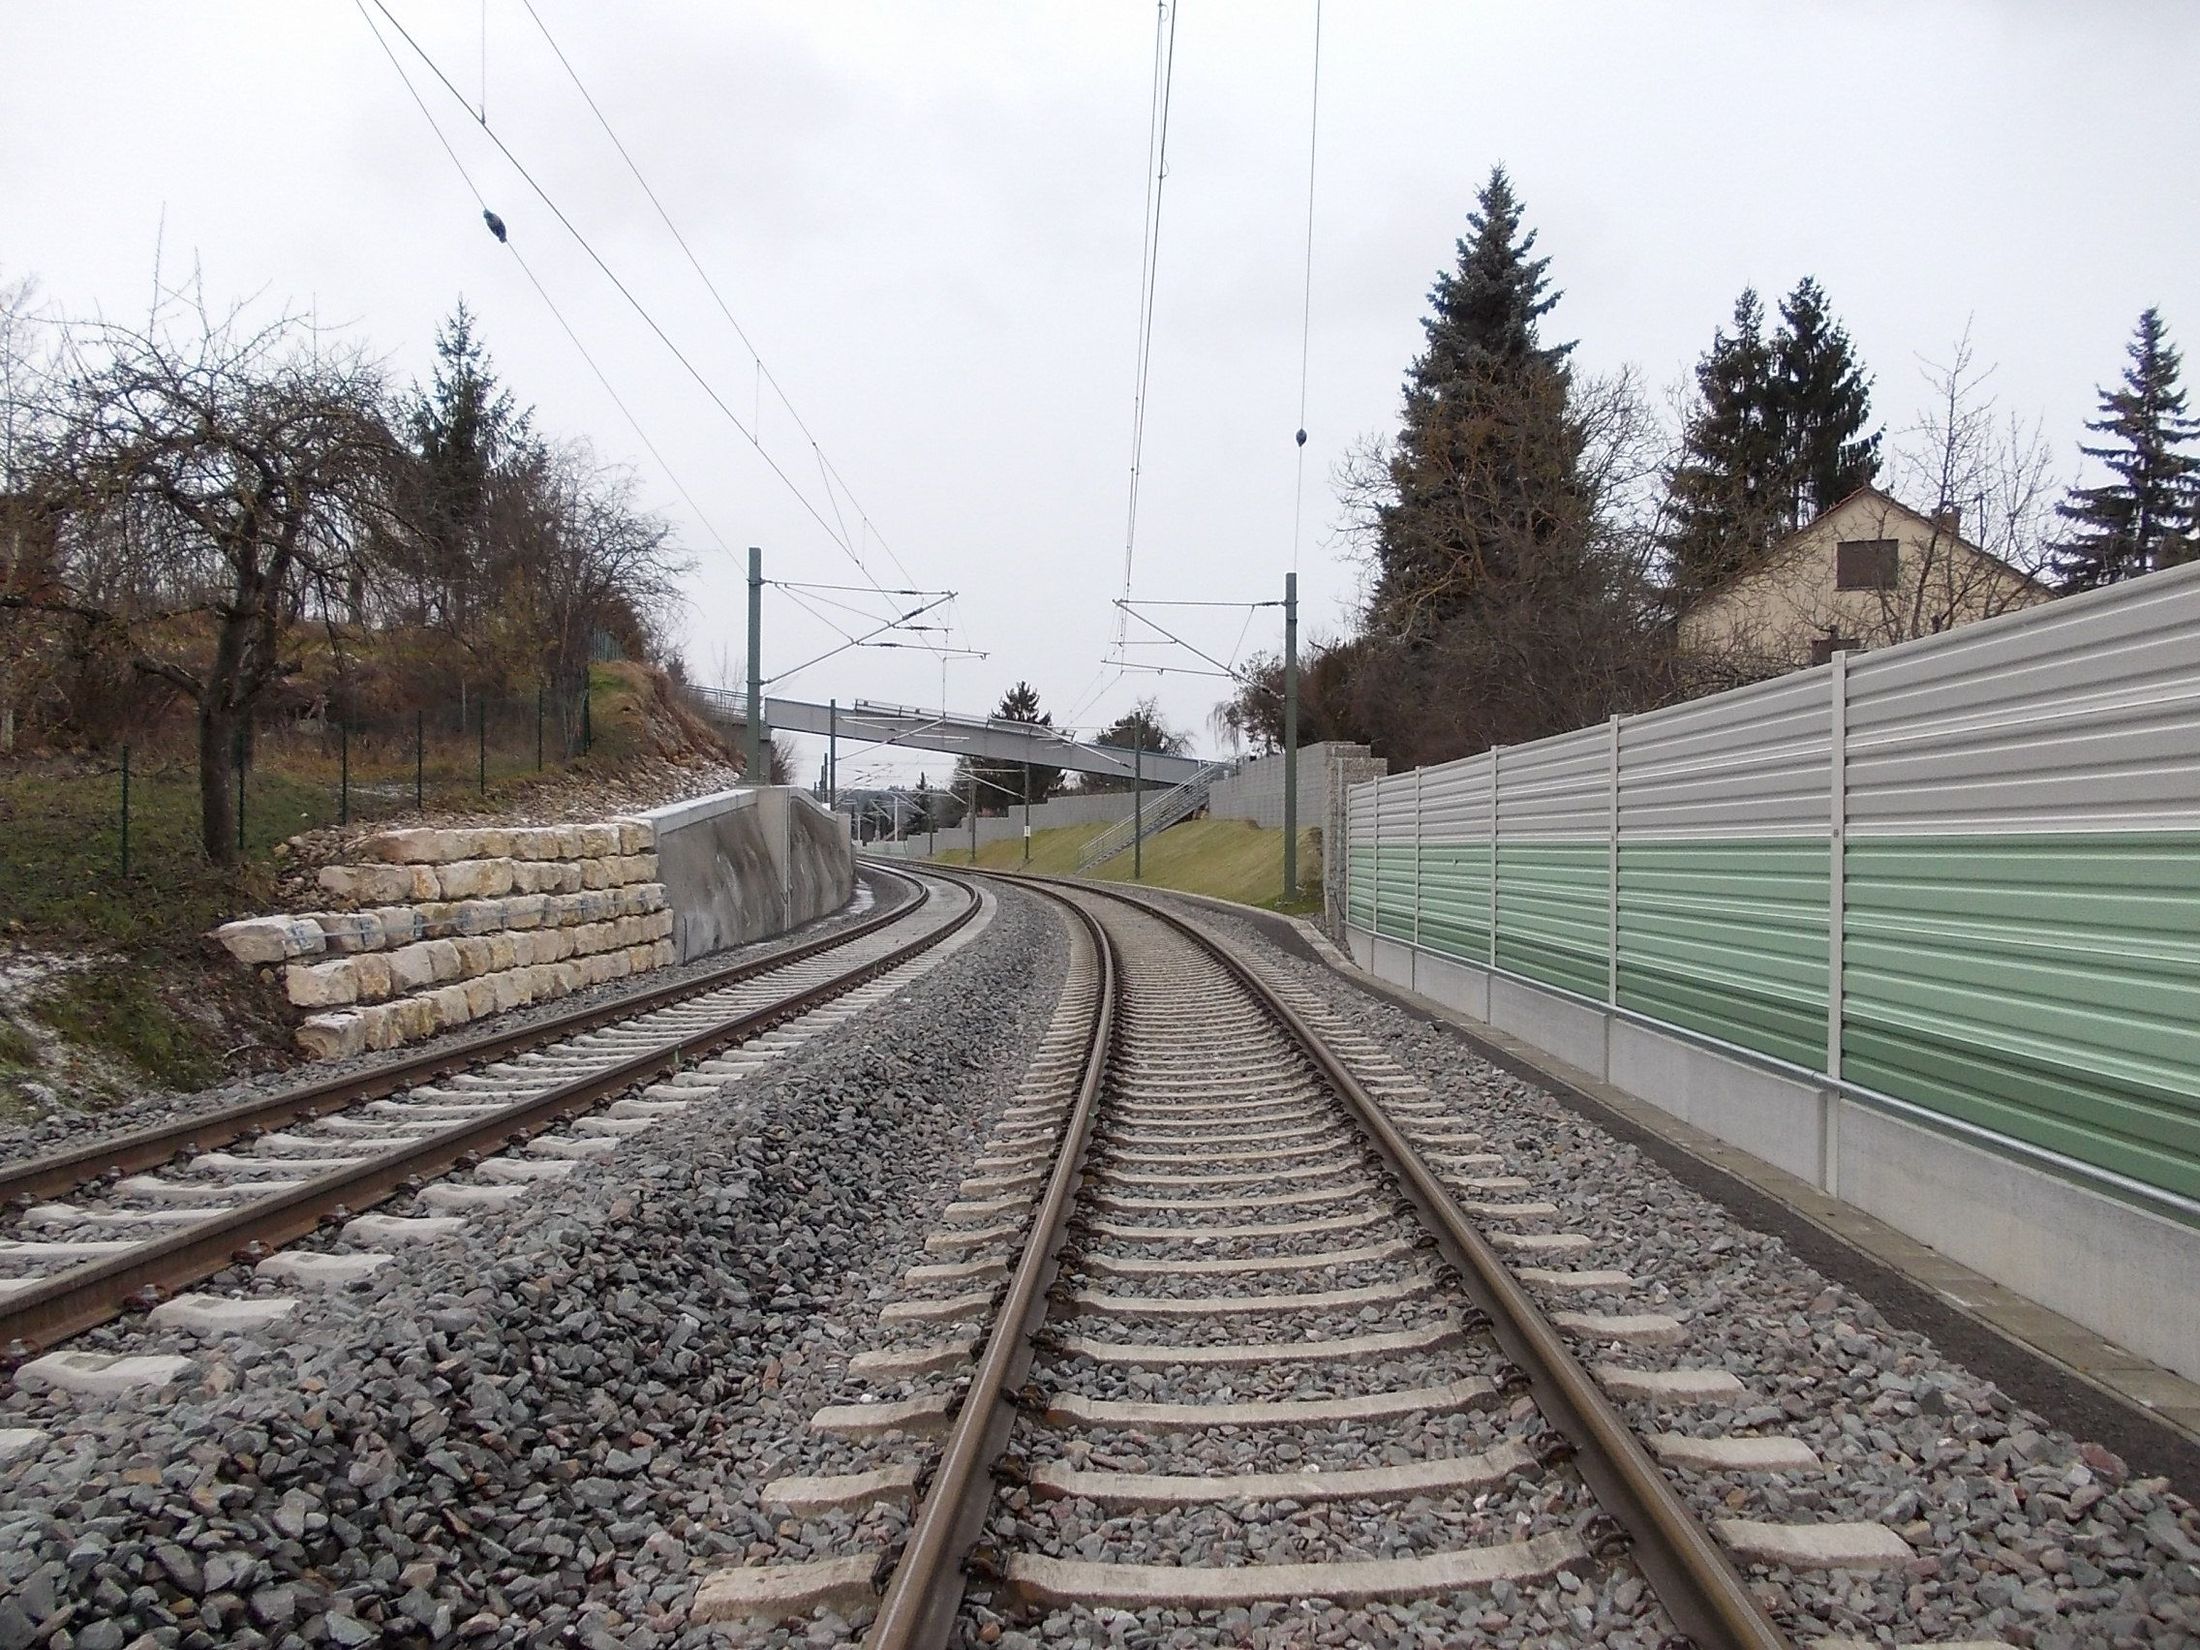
210 482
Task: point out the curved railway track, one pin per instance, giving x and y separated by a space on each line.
1201 1245
158 1209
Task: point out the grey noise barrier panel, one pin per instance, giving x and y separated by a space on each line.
744 864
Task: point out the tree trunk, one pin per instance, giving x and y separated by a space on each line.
217 780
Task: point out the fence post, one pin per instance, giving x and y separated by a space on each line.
1417 778
1611 919
481 725
238 763
126 811
420 761
588 727
343 772
1837 789
1375 890
538 727
1496 753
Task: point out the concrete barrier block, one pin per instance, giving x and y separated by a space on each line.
322 985
372 970
332 1036
271 939
475 879
413 966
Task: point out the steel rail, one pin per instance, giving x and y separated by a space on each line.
1690 1573
925 1591
66 1171
84 1296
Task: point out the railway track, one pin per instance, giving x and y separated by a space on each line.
126 1223
1223 1271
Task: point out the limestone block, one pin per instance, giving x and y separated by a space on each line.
492 842
475 878
649 896
595 873
561 877
271 939
416 1018
636 836
534 842
573 976
437 917
481 996
479 916
617 965
553 945
476 956
545 981
513 989
322 985
401 925
372 970
444 961
503 953
332 1036
569 841
526 910
453 1006
381 1025
378 884
526 876
414 845
667 952
350 932
523 950
598 968
598 840
413 966
657 925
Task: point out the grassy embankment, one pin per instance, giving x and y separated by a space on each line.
1228 858
121 987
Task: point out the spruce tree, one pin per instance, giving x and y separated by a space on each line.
1824 403
1003 784
2139 520
465 428
1726 494
1485 476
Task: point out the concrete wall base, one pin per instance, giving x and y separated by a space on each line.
2124 1272
744 864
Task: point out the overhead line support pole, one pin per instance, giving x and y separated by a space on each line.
832 754
1290 737
758 773
1138 800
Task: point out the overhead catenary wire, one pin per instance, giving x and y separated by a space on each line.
1157 174
763 372
639 308
1306 296
633 423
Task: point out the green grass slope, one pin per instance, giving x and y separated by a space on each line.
1227 858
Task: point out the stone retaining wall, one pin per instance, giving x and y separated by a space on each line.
433 928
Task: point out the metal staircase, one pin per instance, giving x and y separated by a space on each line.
1161 810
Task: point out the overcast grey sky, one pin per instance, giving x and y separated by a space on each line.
928 218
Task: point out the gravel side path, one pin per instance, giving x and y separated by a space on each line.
2021 1532
68 1128
540 1431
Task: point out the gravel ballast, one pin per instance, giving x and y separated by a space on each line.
545 1429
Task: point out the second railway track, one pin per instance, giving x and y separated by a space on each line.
124 1223
1241 1344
